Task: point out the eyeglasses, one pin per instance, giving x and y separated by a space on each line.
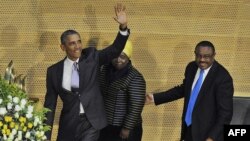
206 56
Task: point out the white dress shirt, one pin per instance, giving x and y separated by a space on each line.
67 72
197 76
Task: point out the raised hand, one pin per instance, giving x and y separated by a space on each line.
121 16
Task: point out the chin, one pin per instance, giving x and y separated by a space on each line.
203 67
118 67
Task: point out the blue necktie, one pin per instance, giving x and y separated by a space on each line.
194 94
75 76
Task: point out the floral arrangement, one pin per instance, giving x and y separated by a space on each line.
19 120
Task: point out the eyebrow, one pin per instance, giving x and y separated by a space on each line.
75 41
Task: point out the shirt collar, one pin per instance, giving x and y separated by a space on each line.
69 61
206 70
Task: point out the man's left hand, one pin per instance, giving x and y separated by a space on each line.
121 16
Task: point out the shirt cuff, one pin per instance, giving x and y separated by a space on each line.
124 33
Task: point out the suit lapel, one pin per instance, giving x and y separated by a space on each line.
59 74
82 69
190 80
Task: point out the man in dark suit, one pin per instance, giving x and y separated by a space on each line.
205 112
83 113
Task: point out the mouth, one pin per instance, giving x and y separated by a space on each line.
119 63
77 50
203 65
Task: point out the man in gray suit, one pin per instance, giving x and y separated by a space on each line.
83 113
211 106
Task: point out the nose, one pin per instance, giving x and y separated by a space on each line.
78 45
202 58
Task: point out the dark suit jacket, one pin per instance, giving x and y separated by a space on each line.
89 93
214 104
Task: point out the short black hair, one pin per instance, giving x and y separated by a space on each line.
205 44
67 33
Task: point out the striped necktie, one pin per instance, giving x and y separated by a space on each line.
75 76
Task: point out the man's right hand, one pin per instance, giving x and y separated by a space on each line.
149 98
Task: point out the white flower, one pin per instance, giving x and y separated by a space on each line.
36 121
10 97
29 115
9 106
4 137
3 111
16 100
11 137
23 103
16 115
27 135
20 135
42 133
37 133
30 109
14 131
44 137
18 108
1 100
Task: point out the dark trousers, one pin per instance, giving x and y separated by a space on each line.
112 133
188 134
85 131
